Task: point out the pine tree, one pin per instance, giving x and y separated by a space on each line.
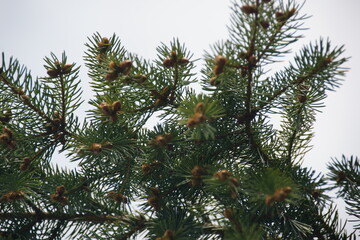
214 167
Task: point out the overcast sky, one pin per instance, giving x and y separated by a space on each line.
32 29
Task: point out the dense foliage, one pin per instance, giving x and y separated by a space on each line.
214 167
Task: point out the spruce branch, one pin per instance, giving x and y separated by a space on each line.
252 61
284 30
25 99
44 216
57 230
213 167
128 171
139 225
294 135
63 102
345 174
143 109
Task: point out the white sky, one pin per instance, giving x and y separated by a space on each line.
31 29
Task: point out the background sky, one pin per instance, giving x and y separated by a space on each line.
32 29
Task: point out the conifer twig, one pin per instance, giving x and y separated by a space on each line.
249 112
63 106
138 227
62 216
293 136
24 100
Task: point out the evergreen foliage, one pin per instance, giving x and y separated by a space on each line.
214 167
